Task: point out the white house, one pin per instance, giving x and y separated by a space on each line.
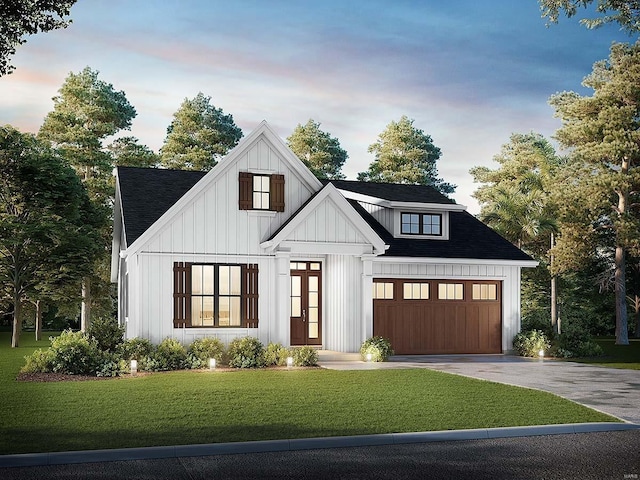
259 246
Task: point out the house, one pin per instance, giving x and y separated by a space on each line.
259 246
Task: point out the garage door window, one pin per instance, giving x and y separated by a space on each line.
482 291
383 291
416 291
450 291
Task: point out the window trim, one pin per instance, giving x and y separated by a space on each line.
183 295
421 216
246 191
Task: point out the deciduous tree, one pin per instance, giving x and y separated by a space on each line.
199 135
28 17
318 150
626 13
405 154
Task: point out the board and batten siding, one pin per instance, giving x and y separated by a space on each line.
383 215
509 275
213 223
327 223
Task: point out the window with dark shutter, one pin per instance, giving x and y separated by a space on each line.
181 294
246 190
250 295
277 193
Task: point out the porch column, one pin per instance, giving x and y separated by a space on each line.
367 296
280 325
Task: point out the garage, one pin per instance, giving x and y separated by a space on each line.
438 316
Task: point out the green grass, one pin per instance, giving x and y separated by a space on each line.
616 356
206 407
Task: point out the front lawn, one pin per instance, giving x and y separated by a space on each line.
616 356
192 407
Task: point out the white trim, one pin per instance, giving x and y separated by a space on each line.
397 224
331 192
418 206
458 261
309 247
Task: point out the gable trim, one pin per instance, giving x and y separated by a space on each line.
328 192
401 205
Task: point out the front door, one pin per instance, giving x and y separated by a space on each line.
306 303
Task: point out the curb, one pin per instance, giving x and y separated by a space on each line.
177 451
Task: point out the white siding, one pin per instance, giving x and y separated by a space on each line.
383 215
342 317
327 223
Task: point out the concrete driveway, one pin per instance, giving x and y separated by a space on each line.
609 390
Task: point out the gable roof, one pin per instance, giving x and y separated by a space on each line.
147 193
394 192
469 238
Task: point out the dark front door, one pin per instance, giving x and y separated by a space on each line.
306 303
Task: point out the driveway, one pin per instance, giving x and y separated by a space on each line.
609 390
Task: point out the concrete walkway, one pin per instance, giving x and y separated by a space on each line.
609 390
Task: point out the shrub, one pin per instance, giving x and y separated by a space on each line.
538 320
378 347
40 361
276 354
112 365
75 353
201 350
305 357
107 333
575 341
169 355
137 348
246 352
529 344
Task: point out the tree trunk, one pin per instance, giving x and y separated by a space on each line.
85 311
636 315
38 320
554 296
17 321
622 333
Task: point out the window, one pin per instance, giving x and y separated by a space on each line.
215 295
383 290
484 291
261 192
416 291
450 291
421 224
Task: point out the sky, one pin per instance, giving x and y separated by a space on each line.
469 73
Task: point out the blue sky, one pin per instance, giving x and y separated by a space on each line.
468 72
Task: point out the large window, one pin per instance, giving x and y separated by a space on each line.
421 224
215 295
261 191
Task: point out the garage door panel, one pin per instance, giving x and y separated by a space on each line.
436 326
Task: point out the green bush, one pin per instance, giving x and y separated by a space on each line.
276 354
169 355
529 344
378 347
75 353
246 352
107 333
202 349
40 361
538 320
575 341
305 357
112 365
135 348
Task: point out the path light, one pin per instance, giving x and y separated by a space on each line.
369 357
289 363
212 364
134 367
541 353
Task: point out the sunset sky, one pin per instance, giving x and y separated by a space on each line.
469 72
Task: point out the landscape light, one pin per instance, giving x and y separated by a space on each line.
369 357
541 353
289 362
212 364
134 367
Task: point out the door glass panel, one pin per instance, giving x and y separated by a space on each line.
296 307
313 299
295 286
296 296
315 266
313 330
313 284
313 315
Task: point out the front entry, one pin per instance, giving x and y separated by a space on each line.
306 303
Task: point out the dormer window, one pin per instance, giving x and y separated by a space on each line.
421 224
260 191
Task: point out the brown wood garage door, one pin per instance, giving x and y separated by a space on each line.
438 316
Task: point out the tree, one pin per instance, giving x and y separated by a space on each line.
601 189
45 240
28 17
199 135
86 112
626 13
127 151
319 151
405 154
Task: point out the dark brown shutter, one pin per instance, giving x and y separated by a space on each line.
250 295
246 190
181 294
276 188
